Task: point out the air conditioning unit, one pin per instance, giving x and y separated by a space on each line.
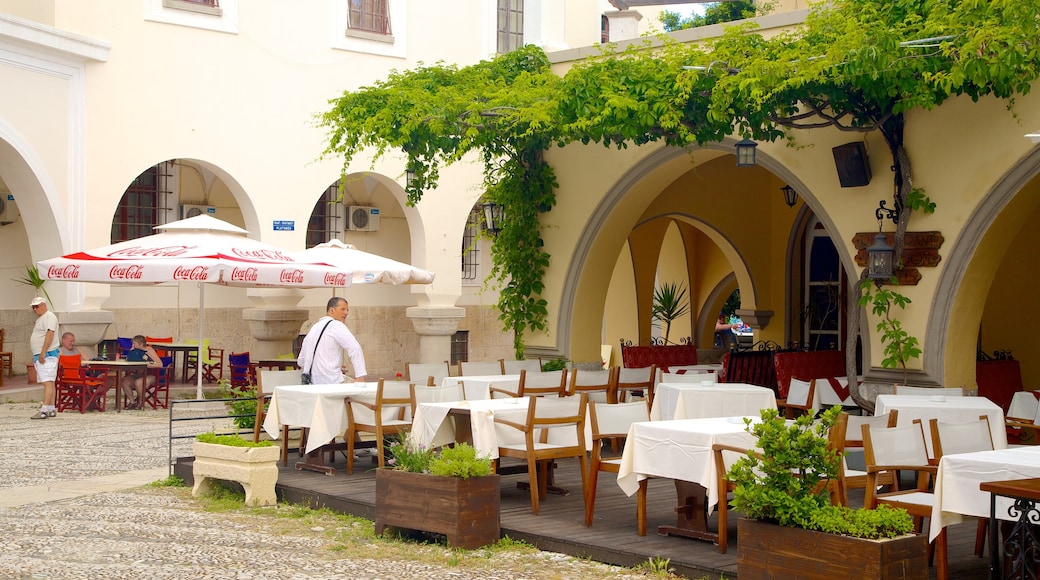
191 210
362 219
8 209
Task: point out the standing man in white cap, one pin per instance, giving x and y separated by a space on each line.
44 344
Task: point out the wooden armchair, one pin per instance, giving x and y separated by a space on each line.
387 415
6 359
480 368
799 399
75 389
513 367
600 386
608 423
636 381
426 373
553 383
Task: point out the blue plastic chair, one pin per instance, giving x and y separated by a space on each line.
125 345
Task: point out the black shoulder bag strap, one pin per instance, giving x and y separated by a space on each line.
316 343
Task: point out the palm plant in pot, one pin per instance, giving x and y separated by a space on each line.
450 491
791 526
670 304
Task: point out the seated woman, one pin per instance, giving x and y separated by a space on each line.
134 382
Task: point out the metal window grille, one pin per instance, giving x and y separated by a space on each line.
604 30
143 205
459 347
370 16
510 27
470 252
324 223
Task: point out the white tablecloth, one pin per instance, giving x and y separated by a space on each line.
679 449
1023 405
708 368
318 407
433 426
478 387
957 490
951 410
694 401
826 396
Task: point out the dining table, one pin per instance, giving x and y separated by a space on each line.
117 369
318 408
182 349
681 450
709 399
945 409
277 363
479 387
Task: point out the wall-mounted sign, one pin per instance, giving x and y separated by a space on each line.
284 225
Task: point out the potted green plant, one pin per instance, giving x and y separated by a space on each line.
900 346
32 278
450 491
791 528
670 303
232 458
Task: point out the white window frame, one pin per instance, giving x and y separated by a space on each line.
223 19
393 45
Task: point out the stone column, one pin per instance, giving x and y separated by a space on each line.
757 319
89 326
274 329
624 24
435 325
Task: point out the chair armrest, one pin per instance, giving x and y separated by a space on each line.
503 391
932 469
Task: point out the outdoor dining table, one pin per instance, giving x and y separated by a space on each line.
709 399
318 408
479 387
117 369
281 364
681 450
183 348
945 409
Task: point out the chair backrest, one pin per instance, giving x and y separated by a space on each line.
240 372
930 391
636 378
854 432
800 393
162 375
125 345
513 367
419 372
1 339
600 385
542 384
477 368
551 413
693 378
152 340
438 394
949 438
894 445
69 366
267 380
615 420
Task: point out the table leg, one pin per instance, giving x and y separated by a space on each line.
691 514
994 534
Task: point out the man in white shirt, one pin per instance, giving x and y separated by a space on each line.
44 344
331 337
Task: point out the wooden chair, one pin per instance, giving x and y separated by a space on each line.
480 368
610 422
903 449
636 381
856 478
930 391
799 399
155 341
948 438
243 374
212 362
539 384
77 390
125 345
1019 429
6 359
433 373
157 394
387 415
600 386
513 367
266 381
540 448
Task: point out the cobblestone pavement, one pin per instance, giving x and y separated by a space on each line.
69 509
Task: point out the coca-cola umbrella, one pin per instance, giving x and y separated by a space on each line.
362 267
198 249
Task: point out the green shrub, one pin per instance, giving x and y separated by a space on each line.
554 364
458 461
230 440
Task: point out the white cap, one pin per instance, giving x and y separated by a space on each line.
37 301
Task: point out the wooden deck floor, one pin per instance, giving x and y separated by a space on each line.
560 526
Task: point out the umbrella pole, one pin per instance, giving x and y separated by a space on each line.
198 359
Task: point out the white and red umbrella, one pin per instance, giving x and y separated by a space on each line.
362 267
199 249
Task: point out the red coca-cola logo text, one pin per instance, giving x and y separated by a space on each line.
145 252
196 274
265 255
126 272
69 272
244 274
336 279
291 277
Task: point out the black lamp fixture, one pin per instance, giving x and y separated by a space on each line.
790 195
492 217
884 212
879 259
746 153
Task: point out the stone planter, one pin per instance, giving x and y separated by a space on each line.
30 371
770 551
464 510
256 468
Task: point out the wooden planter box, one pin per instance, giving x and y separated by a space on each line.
770 551
256 468
464 510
